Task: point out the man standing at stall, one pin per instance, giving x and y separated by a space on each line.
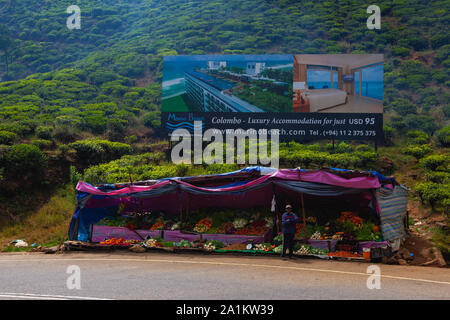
289 220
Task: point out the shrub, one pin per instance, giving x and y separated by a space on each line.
438 177
41 143
152 119
436 162
44 132
443 136
418 137
7 137
75 176
388 135
65 133
25 160
363 148
343 147
418 151
433 193
131 139
90 152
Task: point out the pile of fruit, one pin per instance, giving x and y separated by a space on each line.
352 217
240 223
209 247
344 254
226 228
203 225
153 243
263 247
158 225
118 242
183 244
256 228
316 236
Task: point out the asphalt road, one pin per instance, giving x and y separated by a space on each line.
193 276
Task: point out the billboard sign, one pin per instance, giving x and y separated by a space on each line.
299 97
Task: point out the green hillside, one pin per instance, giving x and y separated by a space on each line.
62 88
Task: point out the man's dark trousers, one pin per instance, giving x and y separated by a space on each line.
288 243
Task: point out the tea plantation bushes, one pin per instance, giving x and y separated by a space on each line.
418 137
23 161
89 152
434 194
443 136
7 137
435 191
436 162
146 166
313 156
418 151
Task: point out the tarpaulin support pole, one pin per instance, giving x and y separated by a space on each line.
180 199
303 210
276 225
188 206
302 200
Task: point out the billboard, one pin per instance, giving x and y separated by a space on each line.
299 97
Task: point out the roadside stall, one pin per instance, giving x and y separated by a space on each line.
342 213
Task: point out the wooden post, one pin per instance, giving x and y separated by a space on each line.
180 197
303 211
188 206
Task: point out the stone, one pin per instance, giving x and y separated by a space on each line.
137 248
402 262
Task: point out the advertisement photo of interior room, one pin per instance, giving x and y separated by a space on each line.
338 83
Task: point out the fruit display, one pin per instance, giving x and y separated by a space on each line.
183 244
316 236
226 228
352 217
309 250
203 225
152 243
209 247
118 242
217 244
240 223
344 254
278 249
262 247
158 225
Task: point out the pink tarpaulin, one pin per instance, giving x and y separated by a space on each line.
363 182
85 187
319 176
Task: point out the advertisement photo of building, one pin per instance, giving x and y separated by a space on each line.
227 83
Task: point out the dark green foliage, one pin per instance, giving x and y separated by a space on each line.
23 161
436 162
89 152
418 151
417 137
443 136
152 119
7 137
41 143
44 132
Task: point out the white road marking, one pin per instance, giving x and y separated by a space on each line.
45 296
234 264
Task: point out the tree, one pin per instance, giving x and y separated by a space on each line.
6 45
